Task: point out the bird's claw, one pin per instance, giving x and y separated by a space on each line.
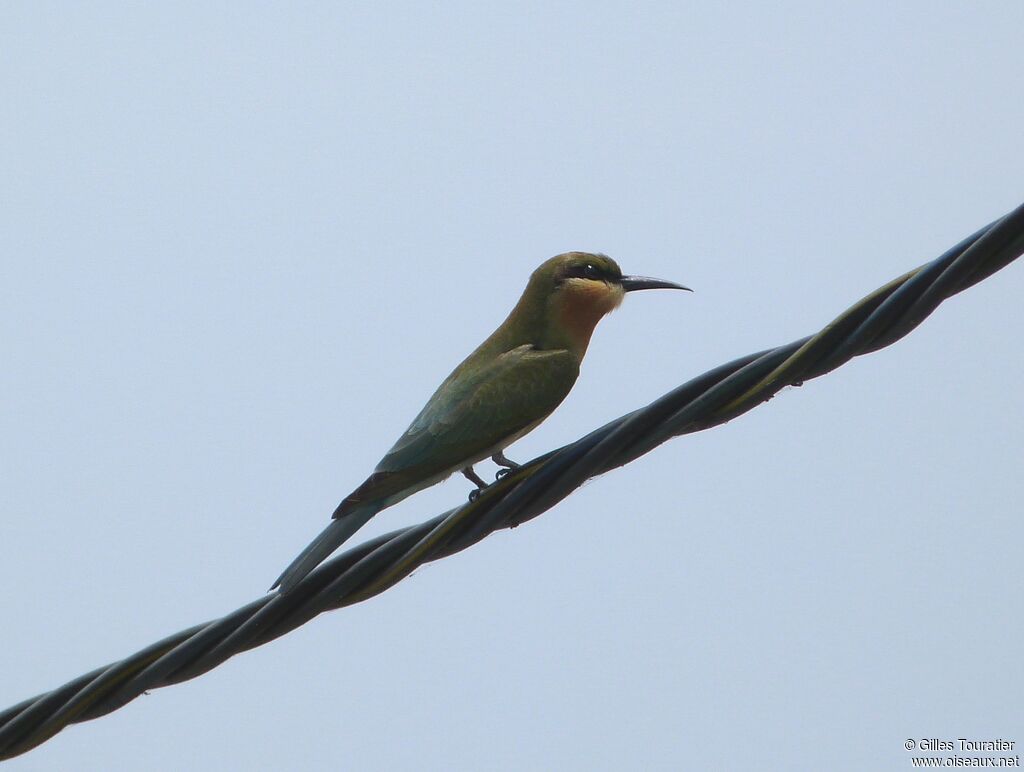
476 479
506 465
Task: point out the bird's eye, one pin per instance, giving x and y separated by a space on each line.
585 271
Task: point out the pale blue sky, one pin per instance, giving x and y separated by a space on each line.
242 243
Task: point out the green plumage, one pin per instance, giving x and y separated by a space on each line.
476 412
500 392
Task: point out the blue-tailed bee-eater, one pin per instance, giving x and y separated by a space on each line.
503 390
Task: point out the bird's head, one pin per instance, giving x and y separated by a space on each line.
574 290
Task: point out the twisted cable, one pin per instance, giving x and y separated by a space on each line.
361 572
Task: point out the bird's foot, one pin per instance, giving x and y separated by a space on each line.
474 478
507 466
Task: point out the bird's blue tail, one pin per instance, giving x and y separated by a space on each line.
332 537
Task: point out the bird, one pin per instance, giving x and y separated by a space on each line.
500 392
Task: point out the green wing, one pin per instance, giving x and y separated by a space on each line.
475 410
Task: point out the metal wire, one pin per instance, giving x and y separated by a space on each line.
372 567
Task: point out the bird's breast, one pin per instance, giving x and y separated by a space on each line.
583 304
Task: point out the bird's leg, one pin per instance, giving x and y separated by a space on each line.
509 466
474 478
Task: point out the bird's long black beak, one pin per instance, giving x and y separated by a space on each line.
631 283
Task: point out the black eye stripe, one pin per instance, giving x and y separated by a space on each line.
586 271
